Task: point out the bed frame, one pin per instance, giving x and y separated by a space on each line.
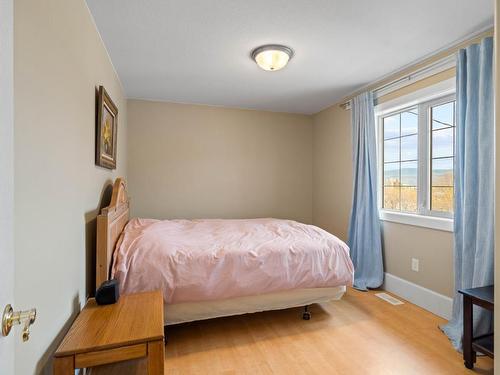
110 224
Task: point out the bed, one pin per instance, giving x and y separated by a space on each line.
212 268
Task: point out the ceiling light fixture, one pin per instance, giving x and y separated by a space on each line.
272 57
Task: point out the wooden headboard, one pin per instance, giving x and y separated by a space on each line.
110 224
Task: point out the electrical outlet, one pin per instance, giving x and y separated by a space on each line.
414 264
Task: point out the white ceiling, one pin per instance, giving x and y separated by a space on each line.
197 51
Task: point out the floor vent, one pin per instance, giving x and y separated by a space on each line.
388 298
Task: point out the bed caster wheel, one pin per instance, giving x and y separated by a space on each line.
306 315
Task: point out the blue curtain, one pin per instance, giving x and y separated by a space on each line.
364 227
474 183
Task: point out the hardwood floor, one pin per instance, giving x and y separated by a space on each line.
361 334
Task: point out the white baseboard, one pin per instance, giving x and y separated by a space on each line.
425 298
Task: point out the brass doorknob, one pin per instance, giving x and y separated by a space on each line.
11 318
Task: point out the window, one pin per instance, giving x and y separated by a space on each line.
416 149
401 160
442 145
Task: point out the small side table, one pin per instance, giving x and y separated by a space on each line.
131 328
484 297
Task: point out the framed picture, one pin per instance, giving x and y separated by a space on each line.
106 130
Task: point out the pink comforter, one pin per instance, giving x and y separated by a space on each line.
199 260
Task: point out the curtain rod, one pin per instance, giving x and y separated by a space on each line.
449 54
430 69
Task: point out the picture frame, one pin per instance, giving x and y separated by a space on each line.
106 130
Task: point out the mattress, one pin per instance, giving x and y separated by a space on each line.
214 260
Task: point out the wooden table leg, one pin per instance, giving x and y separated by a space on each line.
64 365
468 332
156 357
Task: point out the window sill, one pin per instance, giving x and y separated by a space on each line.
432 222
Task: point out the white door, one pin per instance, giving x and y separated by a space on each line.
6 178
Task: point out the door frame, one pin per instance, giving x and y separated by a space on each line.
7 344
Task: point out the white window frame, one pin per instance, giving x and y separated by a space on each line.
424 99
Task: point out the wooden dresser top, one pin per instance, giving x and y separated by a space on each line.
483 293
135 318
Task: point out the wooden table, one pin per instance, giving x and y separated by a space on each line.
131 328
484 297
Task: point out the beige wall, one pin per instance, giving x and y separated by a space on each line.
434 249
59 60
332 182
332 170
191 161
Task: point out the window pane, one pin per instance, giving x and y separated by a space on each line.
442 199
391 127
391 150
409 122
443 116
442 143
409 199
391 174
442 172
409 149
409 173
401 154
391 198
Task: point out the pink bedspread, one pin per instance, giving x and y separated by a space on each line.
199 260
